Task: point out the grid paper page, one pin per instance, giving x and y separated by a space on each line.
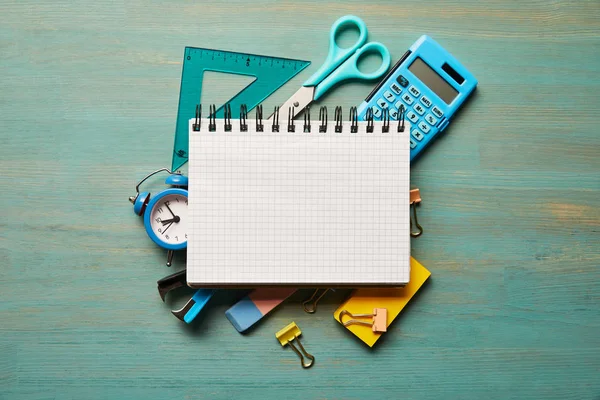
306 209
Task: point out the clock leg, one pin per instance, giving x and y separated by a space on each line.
169 257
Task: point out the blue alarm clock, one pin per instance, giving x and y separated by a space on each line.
165 214
427 86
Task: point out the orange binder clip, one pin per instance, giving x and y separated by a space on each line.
415 198
379 316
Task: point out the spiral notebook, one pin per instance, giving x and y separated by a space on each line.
302 203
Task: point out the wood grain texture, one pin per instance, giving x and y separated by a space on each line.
511 207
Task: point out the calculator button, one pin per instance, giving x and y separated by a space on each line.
393 113
413 144
382 103
395 88
402 81
431 119
426 102
389 96
412 117
417 135
414 91
419 109
438 113
424 127
407 99
376 112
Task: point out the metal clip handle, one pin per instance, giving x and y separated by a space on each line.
310 305
355 321
302 354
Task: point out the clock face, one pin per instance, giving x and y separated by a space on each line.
168 219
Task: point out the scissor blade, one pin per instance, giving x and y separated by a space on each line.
300 99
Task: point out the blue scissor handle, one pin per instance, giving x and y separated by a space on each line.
337 55
349 68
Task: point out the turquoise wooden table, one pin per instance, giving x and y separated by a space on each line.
511 207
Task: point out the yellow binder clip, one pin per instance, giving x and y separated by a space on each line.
415 198
379 316
287 336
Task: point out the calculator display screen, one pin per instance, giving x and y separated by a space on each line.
436 83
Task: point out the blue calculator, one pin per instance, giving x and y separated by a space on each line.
431 85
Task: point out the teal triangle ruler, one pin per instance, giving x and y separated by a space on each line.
270 72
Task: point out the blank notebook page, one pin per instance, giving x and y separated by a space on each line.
306 209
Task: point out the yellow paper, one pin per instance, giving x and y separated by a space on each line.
363 301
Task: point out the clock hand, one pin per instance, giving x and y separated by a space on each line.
165 231
168 221
169 208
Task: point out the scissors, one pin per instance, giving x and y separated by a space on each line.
340 65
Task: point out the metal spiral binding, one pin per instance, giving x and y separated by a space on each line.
259 115
243 116
275 126
353 120
338 119
198 118
227 117
212 118
369 118
385 117
323 118
401 113
307 120
291 126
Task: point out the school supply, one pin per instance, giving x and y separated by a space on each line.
415 198
363 301
257 304
270 72
193 307
275 205
310 305
171 282
378 323
165 214
340 65
291 334
432 85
